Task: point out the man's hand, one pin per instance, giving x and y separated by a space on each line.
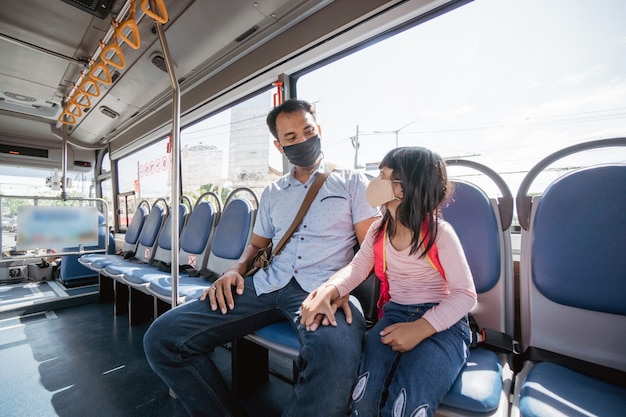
221 293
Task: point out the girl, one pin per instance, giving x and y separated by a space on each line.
420 343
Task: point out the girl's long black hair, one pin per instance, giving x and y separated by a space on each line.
425 186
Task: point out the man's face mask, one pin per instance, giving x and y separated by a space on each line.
304 154
380 192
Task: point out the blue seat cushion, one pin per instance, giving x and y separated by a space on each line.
280 332
89 258
144 274
189 287
121 268
553 390
479 385
283 333
102 261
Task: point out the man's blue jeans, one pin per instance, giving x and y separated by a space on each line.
413 383
178 343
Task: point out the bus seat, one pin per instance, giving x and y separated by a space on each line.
146 246
71 272
280 337
194 244
97 262
573 291
131 295
231 236
137 274
483 226
111 288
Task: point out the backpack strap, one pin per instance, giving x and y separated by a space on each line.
380 269
433 253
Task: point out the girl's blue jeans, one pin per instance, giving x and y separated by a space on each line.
178 343
413 383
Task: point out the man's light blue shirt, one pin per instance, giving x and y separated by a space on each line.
324 241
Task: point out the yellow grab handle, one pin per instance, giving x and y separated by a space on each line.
134 30
78 98
161 18
70 118
77 111
115 47
104 70
85 86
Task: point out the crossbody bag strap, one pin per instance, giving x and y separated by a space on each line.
308 199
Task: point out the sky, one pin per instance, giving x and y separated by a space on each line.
502 82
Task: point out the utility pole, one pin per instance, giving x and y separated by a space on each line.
396 132
356 145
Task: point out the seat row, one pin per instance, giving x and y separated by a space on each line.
572 291
571 309
138 279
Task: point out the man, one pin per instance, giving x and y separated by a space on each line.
178 343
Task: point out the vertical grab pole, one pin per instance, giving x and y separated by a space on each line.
64 165
175 166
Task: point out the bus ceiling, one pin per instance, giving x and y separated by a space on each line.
100 70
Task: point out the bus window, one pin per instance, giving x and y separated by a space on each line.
106 164
107 195
127 206
33 181
146 172
476 83
230 149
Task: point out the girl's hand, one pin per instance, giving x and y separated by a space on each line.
318 306
344 304
402 337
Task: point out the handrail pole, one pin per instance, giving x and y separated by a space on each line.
64 165
174 210
524 201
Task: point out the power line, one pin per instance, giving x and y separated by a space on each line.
565 118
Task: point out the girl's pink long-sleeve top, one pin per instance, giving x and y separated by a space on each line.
413 280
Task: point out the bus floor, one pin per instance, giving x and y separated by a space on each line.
84 361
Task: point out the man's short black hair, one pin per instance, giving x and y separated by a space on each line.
288 106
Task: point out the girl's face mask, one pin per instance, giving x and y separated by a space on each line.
380 192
